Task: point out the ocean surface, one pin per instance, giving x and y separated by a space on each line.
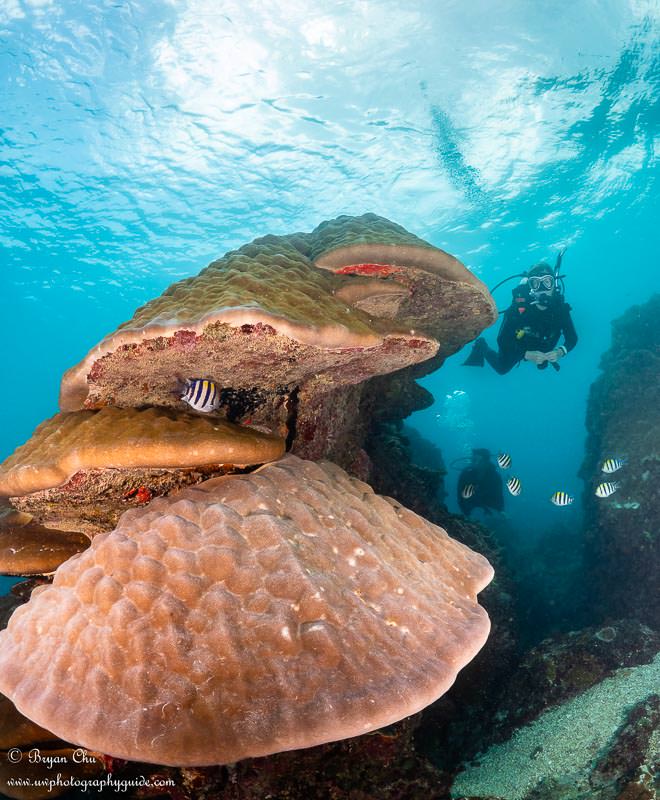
141 140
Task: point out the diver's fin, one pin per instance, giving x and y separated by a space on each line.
476 357
474 360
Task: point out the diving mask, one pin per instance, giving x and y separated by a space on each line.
541 283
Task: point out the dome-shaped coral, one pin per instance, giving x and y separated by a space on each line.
247 615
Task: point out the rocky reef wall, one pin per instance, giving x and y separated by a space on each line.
622 532
578 716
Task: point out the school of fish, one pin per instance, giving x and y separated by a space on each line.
558 498
203 395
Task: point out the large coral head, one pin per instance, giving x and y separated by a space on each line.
248 615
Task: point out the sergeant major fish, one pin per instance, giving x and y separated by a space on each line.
504 460
611 465
561 499
514 486
467 491
606 489
201 394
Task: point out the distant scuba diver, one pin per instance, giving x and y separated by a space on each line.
532 324
480 485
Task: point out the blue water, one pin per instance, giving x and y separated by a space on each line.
141 140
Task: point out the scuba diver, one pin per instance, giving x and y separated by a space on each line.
480 485
532 324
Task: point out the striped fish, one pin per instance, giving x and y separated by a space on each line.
562 499
467 491
606 489
611 465
514 486
504 460
202 395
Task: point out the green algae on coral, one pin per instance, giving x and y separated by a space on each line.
270 274
346 231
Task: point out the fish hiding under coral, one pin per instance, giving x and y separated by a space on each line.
202 395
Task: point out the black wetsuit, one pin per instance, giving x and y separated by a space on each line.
526 327
487 489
